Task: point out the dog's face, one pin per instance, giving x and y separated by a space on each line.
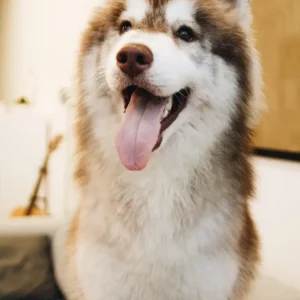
177 71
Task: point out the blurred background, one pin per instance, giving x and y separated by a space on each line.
38 46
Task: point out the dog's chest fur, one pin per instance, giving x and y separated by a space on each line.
152 244
104 275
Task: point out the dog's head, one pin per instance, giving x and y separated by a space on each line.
166 74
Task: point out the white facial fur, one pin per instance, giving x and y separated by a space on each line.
135 10
242 7
163 73
185 8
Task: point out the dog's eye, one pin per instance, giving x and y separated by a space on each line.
186 34
125 26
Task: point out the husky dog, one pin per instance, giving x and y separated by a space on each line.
166 102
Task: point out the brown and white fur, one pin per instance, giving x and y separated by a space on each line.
180 229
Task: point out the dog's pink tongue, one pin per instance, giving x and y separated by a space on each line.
140 129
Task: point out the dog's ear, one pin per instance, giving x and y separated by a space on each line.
242 9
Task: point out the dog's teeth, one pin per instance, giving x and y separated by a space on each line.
169 104
166 112
167 108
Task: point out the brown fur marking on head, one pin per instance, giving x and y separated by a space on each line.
95 33
230 42
158 3
228 39
102 20
154 21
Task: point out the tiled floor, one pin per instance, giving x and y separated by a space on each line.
277 212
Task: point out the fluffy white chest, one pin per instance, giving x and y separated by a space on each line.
177 270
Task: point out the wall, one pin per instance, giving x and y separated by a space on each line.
277 27
39 40
3 49
23 136
38 46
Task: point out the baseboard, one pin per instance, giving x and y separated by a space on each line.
285 155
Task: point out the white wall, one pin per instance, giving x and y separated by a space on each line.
3 22
20 157
39 40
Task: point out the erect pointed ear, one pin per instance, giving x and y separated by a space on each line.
243 11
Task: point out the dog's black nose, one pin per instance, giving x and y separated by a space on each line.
134 59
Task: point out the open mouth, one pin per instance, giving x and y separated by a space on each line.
146 117
173 107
